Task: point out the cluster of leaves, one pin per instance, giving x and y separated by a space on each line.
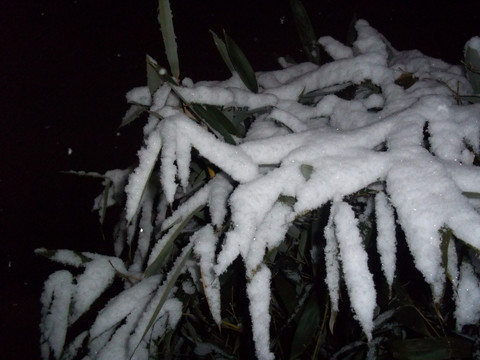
409 324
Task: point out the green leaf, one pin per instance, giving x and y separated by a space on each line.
132 114
222 49
241 65
471 99
406 80
446 235
215 120
239 117
165 18
471 195
352 32
168 285
287 200
307 326
306 171
286 292
154 80
105 194
305 31
431 349
314 96
410 317
156 266
220 118
157 76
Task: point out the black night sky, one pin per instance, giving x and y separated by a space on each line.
65 66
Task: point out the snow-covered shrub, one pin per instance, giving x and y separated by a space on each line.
292 194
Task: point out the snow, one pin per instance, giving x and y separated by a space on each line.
145 232
205 242
140 95
258 291
335 48
98 275
217 199
415 143
55 299
473 43
359 280
386 238
123 304
332 264
468 297
138 179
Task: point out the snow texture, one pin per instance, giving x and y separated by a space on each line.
138 179
205 241
55 299
332 264
359 280
386 237
98 275
415 140
258 291
468 297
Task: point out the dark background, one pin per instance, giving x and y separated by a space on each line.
64 69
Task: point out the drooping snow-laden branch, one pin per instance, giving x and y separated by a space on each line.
415 140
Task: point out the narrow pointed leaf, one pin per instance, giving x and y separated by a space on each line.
428 348
307 326
157 264
154 79
222 49
132 114
168 286
305 31
471 195
165 19
241 64
306 171
212 119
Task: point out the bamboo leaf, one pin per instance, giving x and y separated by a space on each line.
165 18
305 31
215 120
306 171
306 328
159 261
446 235
105 197
471 195
154 81
222 49
132 114
168 286
428 348
410 317
241 65
472 98
406 80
